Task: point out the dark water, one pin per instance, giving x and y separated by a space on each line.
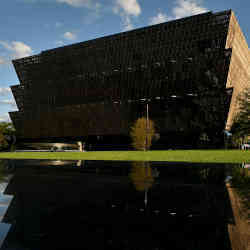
114 205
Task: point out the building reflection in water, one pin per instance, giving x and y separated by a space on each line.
117 205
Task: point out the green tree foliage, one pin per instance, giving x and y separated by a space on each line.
7 128
141 175
6 131
241 125
3 141
212 105
4 170
142 134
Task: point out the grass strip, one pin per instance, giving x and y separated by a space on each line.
202 156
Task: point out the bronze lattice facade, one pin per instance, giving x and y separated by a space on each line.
187 69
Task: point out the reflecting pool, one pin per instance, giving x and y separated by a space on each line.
114 205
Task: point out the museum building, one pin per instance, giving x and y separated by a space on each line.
189 71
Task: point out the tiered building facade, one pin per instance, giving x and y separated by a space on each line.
190 71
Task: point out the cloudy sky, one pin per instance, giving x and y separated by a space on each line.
30 26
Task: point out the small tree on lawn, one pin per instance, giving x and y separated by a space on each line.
142 134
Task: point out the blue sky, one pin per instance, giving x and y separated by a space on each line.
30 26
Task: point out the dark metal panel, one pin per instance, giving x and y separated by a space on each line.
95 87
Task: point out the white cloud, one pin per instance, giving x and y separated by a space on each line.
9 102
19 49
92 4
78 3
59 43
75 3
187 8
98 6
183 8
70 35
58 24
6 101
5 117
127 23
30 1
129 7
159 18
92 16
126 9
4 91
2 60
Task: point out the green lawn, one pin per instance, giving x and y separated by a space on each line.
213 156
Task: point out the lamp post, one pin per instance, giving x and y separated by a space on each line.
147 122
147 127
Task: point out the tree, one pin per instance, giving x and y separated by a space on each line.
3 141
142 134
7 128
210 105
7 131
142 175
241 124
